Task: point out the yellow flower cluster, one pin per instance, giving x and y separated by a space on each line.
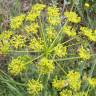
60 51
51 32
38 7
59 84
16 66
87 5
17 21
18 41
92 82
72 17
28 36
88 33
34 87
53 15
36 45
32 28
4 41
66 93
81 94
45 66
69 30
70 93
74 80
6 35
4 48
35 12
84 54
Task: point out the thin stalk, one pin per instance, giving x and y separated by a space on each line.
59 65
34 59
73 44
61 68
65 59
42 31
70 40
39 77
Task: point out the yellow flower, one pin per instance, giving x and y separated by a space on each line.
18 41
34 87
4 47
73 75
16 66
74 80
59 84
38 7
4 41
92 82
60 51
17 21
51 32
36 45
32 28
88 33
84 54
66 93
72 17
45 66
95 31
6 35
81 94
87 5
32 16
35 12
69 30
53 16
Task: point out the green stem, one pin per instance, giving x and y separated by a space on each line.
39 77
70 40
70 58
42 33
94 63
22 51
61 68
34 59
73 44
59 65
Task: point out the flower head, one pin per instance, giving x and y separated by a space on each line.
34 87
66 93
88 33
84 54
35 12
16 66
53 16
4 48
92 82
38 7
87 5
18 41
17 21
74 80
81 94
72 17
59 84
69 30
51 32
33 28
6 35
45 66
36 45
60 51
